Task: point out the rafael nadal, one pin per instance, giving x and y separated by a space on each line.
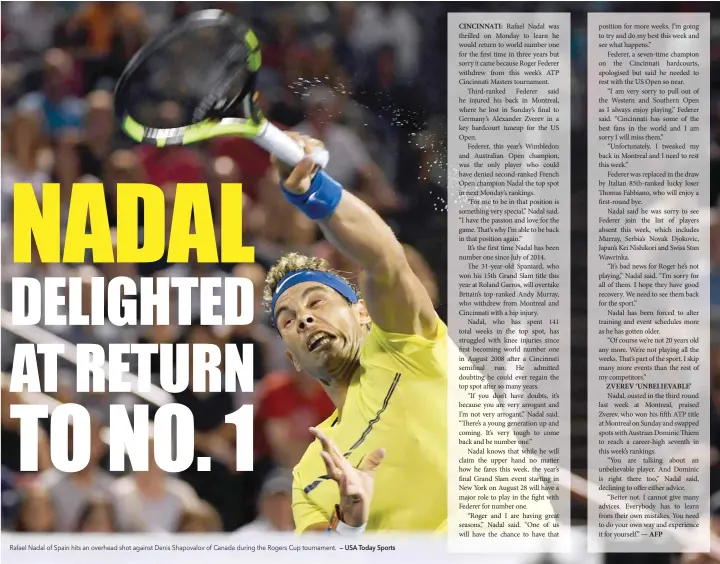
380 351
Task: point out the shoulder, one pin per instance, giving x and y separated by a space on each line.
407 353
380 340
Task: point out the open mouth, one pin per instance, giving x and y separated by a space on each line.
319 340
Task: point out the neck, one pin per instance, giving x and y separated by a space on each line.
336 382
336 379
337 391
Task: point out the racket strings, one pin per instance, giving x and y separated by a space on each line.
200 70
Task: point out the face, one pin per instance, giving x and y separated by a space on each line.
321 331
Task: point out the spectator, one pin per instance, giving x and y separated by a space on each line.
31 26
350 163
11 433
150 501
269 354
105 35
99 130
388 23
71 492
170 165
37 514
57 109
227 171
221 486
97 516
285 103
11 500
322 65
287 404
122 166
282 41
200 517
195 268
23 160
274 506
347 57
398 103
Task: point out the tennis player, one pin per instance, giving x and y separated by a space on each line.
380 351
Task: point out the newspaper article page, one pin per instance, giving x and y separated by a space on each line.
509 279
648 286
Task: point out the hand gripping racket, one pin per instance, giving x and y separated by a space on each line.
206 65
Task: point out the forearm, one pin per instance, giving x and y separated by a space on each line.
363 236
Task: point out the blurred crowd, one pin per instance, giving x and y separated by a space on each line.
354 75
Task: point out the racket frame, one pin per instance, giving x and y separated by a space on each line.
255 127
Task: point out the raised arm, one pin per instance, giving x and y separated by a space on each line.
396 299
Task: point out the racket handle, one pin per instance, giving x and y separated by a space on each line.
277 143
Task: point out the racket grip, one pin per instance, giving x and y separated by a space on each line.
277 143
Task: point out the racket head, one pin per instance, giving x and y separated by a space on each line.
192 82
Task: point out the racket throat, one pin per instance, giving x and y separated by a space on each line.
218 105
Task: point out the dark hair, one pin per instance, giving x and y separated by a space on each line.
96 502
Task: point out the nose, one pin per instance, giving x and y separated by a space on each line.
306 321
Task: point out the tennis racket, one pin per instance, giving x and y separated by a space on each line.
197 81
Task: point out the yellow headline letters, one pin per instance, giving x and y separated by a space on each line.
192 207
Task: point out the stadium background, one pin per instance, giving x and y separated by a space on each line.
367 78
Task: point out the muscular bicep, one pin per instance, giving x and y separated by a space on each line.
398 302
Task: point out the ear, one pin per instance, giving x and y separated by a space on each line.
362 312
295 364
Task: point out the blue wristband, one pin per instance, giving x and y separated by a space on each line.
321 200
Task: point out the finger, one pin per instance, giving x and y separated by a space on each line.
312 145
294 135
303 169
371 462
322 437
330 447
332 470
349 489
